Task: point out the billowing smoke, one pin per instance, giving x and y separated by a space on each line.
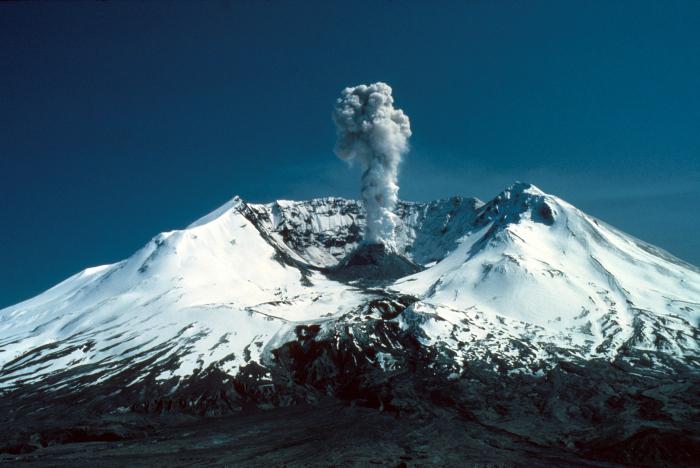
374 133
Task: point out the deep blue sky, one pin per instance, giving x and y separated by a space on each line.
121 120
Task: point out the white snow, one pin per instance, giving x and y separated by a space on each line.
548 274
526 267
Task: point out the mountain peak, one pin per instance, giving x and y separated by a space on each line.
517 202
518 188
232 204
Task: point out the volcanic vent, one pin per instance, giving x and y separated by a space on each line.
374 262
374 133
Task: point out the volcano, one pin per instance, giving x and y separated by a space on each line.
535 330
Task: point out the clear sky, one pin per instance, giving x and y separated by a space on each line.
122 120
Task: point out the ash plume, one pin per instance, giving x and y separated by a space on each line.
374 133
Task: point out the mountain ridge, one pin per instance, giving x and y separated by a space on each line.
279 252
523 293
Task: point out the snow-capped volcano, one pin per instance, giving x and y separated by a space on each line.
522 282
538 261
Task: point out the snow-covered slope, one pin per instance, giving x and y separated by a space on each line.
544 266
214 292
523 280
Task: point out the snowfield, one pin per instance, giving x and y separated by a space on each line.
525 277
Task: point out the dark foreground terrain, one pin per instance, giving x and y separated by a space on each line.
329 433
569 417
